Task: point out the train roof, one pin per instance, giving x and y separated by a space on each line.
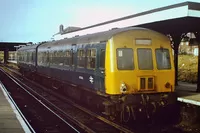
92 38
28 47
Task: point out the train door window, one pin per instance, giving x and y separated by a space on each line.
48 58
163 59
81 58
91 58
102 58
54 57
31 58
39 58
125 59
145 61
43 57
60 57
24 56
27 55
68 57
72 57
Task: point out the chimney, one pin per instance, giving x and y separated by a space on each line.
61 29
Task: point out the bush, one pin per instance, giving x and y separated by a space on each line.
187 65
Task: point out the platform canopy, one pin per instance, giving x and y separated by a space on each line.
173 19
10 46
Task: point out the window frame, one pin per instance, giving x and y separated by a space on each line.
169 59
117 56
151 59
100 58
82 56
94 57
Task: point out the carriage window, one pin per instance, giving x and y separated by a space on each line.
145 61
27 55
72 57
163 59
54 57
102 58
125 59
91 58
60 58
39 58
81 58
68 57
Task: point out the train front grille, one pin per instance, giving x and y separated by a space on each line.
146 83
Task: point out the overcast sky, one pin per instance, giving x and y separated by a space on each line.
38 20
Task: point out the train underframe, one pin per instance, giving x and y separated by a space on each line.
122 108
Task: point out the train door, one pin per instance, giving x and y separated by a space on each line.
100 68
48 62
73 57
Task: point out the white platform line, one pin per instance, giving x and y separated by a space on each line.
17 112
188 101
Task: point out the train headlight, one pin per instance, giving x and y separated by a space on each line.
123 88
167 85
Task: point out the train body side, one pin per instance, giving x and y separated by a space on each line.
69 63
27 58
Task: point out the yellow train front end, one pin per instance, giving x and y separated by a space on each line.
140 69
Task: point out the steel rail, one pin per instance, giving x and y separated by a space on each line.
14 80
117 126
17 108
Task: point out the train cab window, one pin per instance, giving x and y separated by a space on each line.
163 59
91 58
81 58
102 58
145 60
125 59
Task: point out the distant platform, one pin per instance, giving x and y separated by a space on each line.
187 93
11 119
12 61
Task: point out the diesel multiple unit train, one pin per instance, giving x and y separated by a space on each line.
123 70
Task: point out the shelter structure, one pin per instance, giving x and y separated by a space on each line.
9 46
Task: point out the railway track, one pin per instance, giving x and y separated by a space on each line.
40 117
65 108
87 122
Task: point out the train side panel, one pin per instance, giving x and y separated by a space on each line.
76 64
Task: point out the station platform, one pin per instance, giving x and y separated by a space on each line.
187 93
11 119
12 61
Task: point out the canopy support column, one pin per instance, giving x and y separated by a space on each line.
6 56
198 77
176 41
